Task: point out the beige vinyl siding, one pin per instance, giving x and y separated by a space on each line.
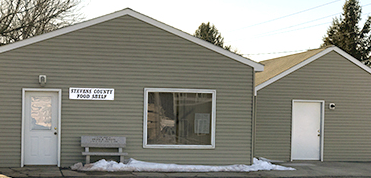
128 55
331 78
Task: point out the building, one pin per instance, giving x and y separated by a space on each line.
314 106
176 98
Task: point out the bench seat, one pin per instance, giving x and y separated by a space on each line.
103 153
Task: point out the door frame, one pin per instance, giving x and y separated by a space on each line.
322 119
59 92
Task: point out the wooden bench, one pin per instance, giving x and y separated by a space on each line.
103 142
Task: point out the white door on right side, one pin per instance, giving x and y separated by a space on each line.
306 130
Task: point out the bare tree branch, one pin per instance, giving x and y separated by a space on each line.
22 19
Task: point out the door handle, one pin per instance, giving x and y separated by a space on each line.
319 134
55 133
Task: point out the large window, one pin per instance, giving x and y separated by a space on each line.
179 118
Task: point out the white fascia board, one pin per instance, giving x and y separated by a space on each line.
62 31
309 60
352 59
292 69
255 65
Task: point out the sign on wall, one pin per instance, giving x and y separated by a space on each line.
92 93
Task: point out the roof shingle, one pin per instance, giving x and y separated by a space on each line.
273 67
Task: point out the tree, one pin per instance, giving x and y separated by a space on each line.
345 33
22 19
210 34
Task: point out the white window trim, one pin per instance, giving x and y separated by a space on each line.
213 118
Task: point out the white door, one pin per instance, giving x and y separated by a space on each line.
40 128
306 130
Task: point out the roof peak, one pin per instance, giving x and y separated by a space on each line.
278 68
308 50
144 18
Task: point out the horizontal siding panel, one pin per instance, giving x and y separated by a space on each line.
127 55
333 79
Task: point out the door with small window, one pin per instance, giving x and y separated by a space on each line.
40 128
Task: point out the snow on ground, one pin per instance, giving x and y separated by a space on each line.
141 166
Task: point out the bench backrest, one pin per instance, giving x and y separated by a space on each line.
103 141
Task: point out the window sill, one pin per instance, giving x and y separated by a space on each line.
180 146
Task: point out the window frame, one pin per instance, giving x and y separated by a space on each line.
177 90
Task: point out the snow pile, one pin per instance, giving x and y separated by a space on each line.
141 166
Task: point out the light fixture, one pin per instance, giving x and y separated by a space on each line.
332 106
42 80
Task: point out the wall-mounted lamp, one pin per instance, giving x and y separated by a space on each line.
332 106
42 80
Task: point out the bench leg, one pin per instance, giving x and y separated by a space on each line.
87 156
121 159
122 156
87 159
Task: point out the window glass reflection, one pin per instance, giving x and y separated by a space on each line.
41 113
179 118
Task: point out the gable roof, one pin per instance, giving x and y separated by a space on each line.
277 68
130 12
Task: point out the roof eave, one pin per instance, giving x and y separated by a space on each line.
309 60
255 65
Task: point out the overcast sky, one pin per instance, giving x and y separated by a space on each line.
258 29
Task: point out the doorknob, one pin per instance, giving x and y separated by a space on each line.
319 134
55 133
